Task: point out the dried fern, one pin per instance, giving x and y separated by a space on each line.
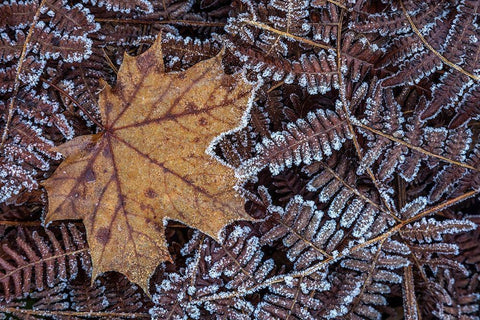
40 261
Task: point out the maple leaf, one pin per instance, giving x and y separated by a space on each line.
152 162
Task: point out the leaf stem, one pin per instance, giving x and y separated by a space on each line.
438 54
418 149
63 92
28 265
83 314
287 35
16 84
150 22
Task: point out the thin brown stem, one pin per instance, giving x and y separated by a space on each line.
346 185
344 101
29 265
438 54
110 62
338 4
151 22
16 84
82 314
418 149
63 92
370 272
20 223
287 35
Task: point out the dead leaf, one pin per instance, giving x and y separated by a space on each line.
150 163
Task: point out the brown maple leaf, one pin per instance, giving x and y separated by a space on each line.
150 163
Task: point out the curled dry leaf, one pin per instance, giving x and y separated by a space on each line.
150 164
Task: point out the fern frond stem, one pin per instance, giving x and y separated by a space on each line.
312 245
409 292
197 262
82 314
294 301
322 264
60 90
87 86
269 282
302 141
346 185
28 265
20 223
287 35
442 206
278 84
258 97
343 99
414 258
385 235
239 265
16 84
422 214
165 9
150 22
338 4
418 149
272 47
402 201
368 278
171 313
110 62
438 54
288 16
